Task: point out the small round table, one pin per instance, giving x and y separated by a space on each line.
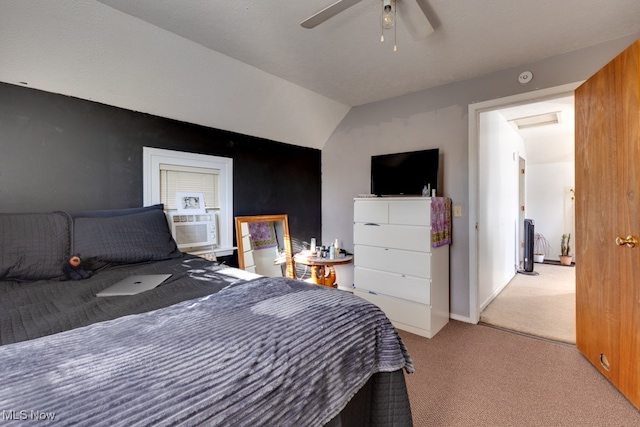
322 271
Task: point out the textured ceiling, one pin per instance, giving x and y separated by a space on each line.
344 60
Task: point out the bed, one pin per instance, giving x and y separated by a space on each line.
210 346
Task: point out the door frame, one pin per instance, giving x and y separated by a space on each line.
522 169
474 172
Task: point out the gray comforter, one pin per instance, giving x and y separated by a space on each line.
265 352
30 310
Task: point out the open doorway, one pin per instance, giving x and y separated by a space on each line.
525 147
548 138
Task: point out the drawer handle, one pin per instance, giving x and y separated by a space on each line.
372 293
371 223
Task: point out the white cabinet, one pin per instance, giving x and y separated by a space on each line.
395 266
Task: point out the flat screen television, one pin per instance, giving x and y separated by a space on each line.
404 173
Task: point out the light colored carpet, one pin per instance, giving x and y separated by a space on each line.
542 305
479 376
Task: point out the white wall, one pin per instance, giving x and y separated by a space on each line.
499 151
549 204
85 49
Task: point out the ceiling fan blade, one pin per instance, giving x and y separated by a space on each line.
414 19
328 12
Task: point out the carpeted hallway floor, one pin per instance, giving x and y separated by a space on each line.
541 305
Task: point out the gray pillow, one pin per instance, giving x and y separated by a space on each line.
34 246
124 239
106 213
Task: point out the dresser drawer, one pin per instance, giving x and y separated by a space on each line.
400 311
410 263
405 237
371 211
410 212
392 284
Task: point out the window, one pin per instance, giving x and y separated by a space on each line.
174 179
167 172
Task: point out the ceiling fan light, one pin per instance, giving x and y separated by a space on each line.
388 19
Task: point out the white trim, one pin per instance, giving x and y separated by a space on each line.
496 293
474 114
460 318
153 157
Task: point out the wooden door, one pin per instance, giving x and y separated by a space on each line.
607 205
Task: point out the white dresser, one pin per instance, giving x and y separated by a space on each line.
395 266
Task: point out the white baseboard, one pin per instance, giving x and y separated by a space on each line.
460 318
495 293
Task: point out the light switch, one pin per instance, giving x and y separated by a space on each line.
457 210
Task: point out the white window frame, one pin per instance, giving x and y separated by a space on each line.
153 157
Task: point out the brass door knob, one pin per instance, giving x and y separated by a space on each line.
630 241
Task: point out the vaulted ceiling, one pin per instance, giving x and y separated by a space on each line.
248 66
343 58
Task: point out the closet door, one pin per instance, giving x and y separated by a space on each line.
608 223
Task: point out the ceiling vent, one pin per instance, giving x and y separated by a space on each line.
537 120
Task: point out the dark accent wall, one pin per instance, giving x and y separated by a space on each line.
64 153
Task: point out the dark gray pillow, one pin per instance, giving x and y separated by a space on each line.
124 239
106 213
34 246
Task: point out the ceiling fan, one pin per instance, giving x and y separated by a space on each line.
410 12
